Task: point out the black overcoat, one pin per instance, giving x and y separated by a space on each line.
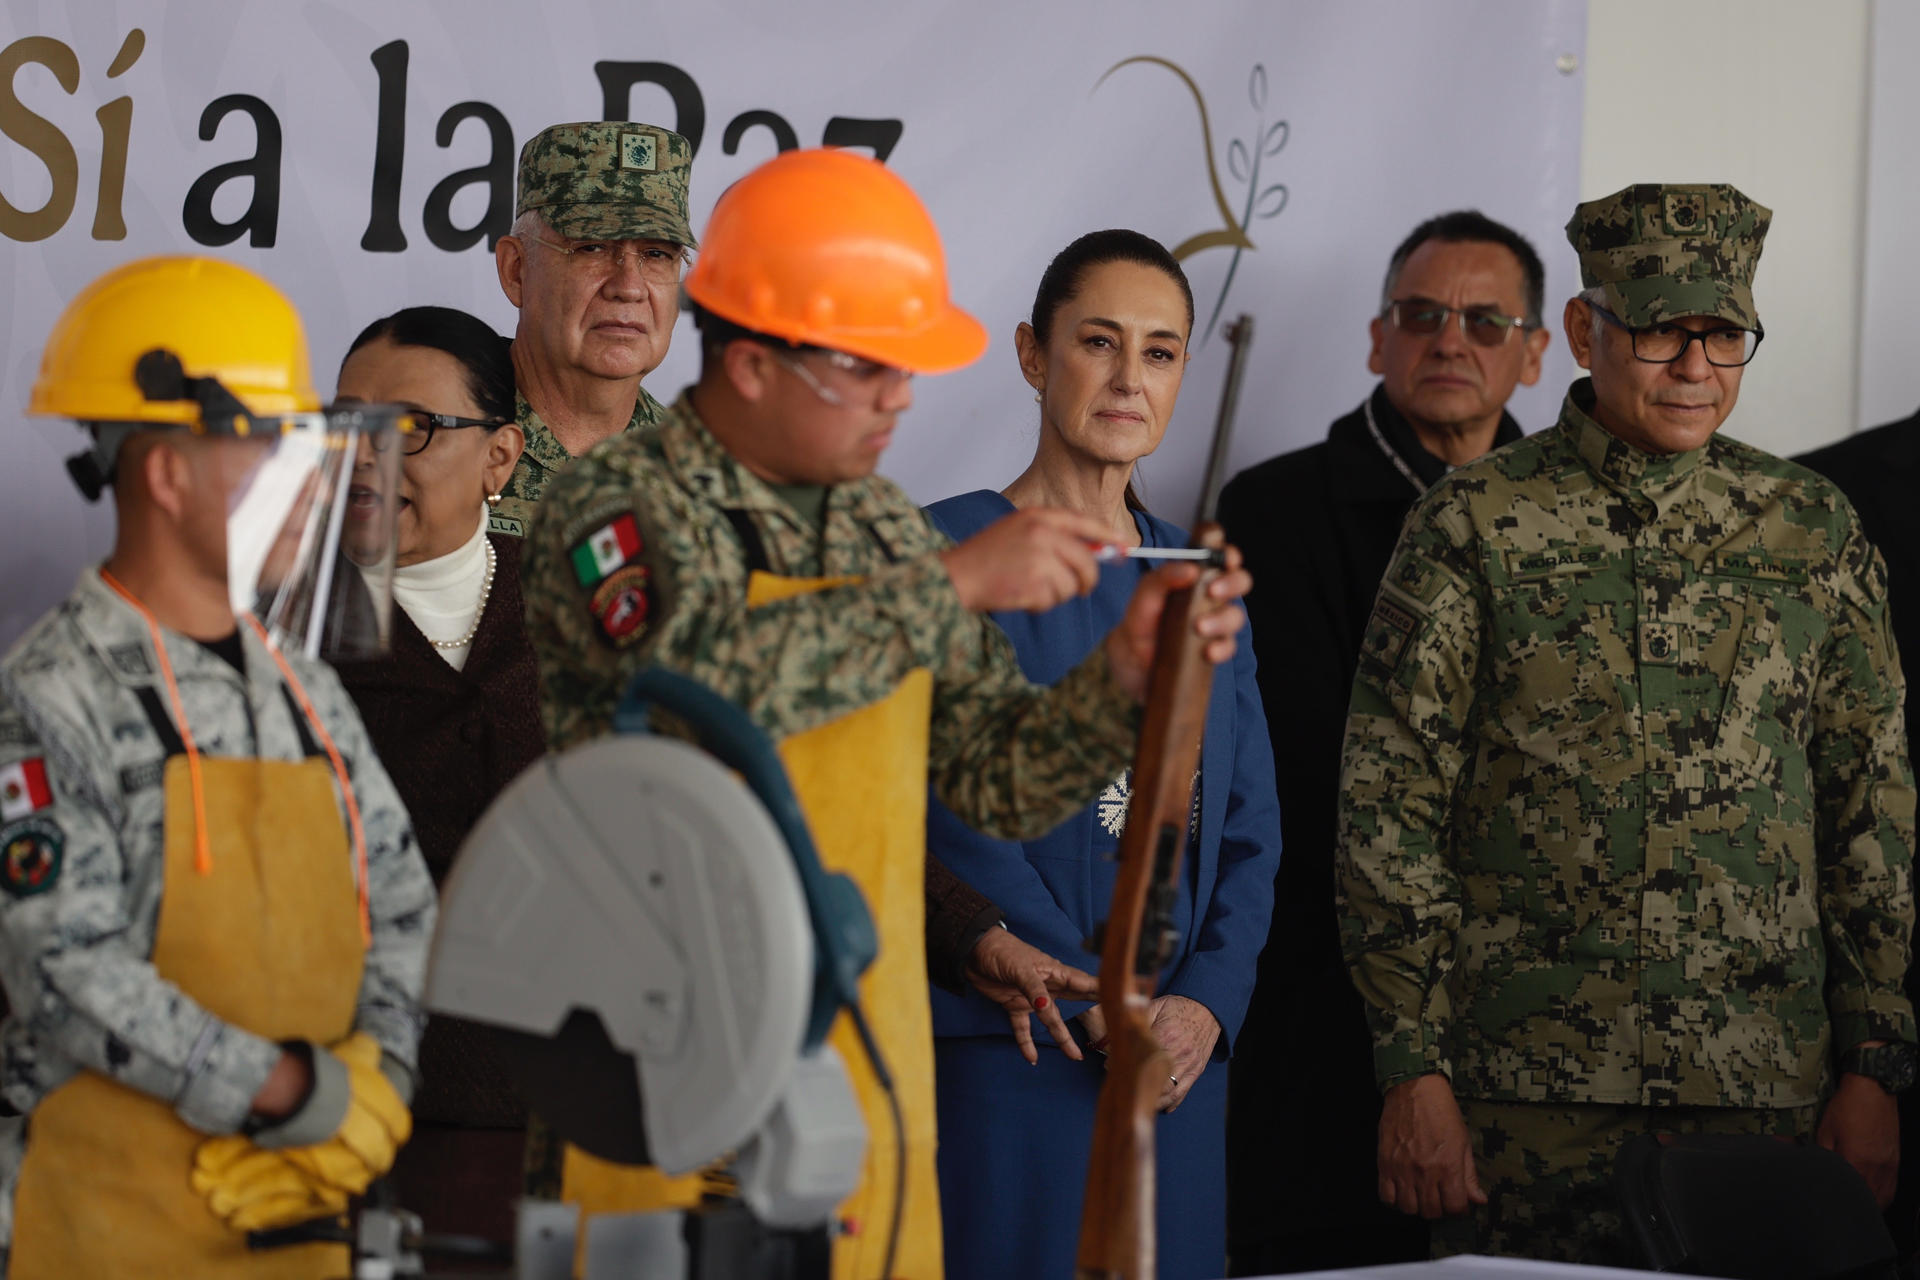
1879 471
1317 528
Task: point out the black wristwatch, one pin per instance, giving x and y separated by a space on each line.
1893 1067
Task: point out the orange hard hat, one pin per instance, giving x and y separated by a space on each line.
830 249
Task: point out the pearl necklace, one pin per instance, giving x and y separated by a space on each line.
486 589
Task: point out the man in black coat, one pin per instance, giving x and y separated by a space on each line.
1879 471
1458 328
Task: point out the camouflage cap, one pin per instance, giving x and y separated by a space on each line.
608 180
1662 250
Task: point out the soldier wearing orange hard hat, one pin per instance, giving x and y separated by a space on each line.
747 542
213 916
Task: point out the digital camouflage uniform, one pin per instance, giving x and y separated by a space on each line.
599 180
543 459
75 938
1627 813
1008 757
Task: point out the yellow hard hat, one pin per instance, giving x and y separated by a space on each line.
137 341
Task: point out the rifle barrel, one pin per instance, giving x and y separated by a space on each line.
1240 338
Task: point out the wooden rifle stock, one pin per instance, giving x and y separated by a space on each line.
1117 1222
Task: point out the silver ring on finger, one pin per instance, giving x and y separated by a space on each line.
1176 1081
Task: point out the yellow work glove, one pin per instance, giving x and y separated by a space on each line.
254 1190
377 1125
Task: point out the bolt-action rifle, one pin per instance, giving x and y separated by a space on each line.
1116 1226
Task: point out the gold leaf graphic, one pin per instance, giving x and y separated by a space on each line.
1229 235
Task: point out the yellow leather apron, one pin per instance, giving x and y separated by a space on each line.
269 940
862 782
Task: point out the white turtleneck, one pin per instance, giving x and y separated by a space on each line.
442 595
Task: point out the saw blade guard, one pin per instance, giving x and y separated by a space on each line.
651 919
845 941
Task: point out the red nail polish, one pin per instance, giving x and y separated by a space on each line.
1041 1003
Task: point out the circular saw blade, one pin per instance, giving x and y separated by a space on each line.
635 883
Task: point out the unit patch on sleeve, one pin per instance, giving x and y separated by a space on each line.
1387 633
23 788
600 553
621 605
31 852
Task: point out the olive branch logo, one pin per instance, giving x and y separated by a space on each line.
1243 166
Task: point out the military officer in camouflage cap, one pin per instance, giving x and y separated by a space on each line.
1627 814
600 237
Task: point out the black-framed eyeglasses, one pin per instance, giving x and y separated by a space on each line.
1727 347
659 262
425 424
1483 326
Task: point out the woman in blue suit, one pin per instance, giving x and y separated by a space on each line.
1104 352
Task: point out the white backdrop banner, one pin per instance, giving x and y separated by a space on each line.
361 154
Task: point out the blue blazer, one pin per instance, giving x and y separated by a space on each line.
1052 892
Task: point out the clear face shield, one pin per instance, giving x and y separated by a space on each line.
310 531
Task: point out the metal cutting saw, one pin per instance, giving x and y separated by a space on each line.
650 921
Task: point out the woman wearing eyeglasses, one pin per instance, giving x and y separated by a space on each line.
1105 352
452 708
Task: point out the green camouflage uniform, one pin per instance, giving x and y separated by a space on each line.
1627 814
600 180
640 554
544 458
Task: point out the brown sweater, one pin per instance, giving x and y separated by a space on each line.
452 741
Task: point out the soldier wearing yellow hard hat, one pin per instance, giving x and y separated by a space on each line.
746 541
213 917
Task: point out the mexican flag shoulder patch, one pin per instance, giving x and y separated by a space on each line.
23 788
601 552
